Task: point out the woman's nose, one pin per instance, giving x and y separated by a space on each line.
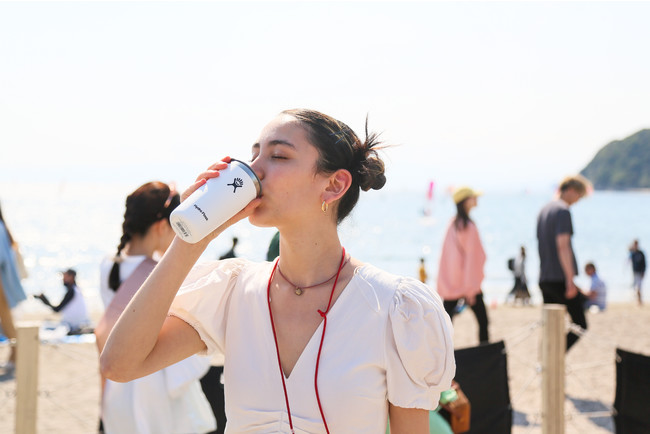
257 168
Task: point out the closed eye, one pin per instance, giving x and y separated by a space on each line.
255 150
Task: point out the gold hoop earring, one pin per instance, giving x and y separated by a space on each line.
324 206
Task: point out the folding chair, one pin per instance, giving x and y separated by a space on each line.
482 373
632 401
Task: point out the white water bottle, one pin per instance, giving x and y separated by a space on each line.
215 202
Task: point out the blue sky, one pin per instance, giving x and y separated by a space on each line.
499 95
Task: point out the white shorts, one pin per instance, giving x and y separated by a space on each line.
638 279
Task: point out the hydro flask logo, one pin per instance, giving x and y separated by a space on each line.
237 182
201 212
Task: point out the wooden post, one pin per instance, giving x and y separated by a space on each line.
553 350
26 378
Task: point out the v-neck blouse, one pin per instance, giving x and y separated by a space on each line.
388 338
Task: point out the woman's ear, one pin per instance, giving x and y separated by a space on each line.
339 183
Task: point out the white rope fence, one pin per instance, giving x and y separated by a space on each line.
549 373
558 379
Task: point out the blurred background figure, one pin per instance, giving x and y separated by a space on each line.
422 272
461 263
519 292
231 253
597 295
72 307
170 400
274 247
11 290
557 260
637 257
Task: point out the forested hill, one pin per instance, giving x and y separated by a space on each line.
622 164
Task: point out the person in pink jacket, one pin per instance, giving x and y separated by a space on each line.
461 263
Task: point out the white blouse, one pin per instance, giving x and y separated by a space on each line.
388 338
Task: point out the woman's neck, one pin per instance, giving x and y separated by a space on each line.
308 256
141 246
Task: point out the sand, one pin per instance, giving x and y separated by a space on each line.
68 397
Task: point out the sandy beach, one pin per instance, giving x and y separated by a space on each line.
68 391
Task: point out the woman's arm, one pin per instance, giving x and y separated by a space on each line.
565 254
144 340
69 295
408 420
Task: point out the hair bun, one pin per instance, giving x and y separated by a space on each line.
370 167
371 173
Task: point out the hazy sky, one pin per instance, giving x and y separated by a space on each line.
495 94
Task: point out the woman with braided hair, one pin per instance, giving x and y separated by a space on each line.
315 341
170 400
146 233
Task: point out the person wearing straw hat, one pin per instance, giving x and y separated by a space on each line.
461 263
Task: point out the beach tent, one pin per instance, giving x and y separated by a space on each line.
632 401
482 373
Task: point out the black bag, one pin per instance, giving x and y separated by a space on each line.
511 264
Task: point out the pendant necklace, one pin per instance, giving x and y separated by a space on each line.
300 289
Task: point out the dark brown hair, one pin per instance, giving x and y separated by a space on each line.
340 148
462 217
148 204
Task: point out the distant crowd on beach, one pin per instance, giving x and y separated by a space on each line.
163 360
462 259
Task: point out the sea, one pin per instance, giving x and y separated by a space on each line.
61 225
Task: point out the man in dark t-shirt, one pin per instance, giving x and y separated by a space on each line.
558 265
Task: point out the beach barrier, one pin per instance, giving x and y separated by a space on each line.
582 401
26 378
55 385
68 390
553 348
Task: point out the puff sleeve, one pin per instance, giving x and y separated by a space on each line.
419 347
202 300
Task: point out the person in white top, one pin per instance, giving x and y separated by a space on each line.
168 400
73 306
315 341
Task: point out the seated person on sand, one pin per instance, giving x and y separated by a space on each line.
72 307
597 295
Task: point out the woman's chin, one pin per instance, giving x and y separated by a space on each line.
259 220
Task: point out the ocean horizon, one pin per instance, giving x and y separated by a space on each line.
76 224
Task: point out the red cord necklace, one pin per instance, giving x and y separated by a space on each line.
320 347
